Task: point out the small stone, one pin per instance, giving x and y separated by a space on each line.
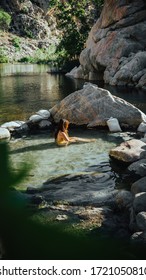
139 237
44 123
141 220
44 113
4 133
35 118
139 186
139 203
138 167
142 127
61 217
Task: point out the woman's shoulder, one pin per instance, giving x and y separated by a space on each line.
60 132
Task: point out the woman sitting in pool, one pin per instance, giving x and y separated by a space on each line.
62 138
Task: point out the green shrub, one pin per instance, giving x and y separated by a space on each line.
75 19
16 42
3 57
41 55
25 59
5 20
29 33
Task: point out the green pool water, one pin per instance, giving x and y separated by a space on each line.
25 89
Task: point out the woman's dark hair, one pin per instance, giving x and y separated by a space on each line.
61 126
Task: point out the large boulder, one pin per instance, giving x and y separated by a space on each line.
115 49
94 106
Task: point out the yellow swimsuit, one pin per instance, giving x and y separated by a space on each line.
60 140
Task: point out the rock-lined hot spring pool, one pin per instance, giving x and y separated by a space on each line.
25 89
49 161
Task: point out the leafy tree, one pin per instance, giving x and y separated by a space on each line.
74 19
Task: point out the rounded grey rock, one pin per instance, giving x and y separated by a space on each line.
139 186
139 203
141 221
4 133
44 113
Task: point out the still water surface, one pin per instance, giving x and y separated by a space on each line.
25 89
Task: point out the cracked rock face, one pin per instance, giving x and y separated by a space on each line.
115 49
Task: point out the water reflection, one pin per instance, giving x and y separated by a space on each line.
21 96
25 89
135 96
21 69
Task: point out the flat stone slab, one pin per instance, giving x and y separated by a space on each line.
129 151
87 189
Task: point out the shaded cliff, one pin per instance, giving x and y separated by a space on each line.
28 17
116 47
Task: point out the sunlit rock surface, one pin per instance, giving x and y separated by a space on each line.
129 151
115 49
94 106
4 133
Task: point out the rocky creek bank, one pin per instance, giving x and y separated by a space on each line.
81 198
115 48
133 152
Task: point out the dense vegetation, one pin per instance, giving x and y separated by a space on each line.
5 20
74 19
